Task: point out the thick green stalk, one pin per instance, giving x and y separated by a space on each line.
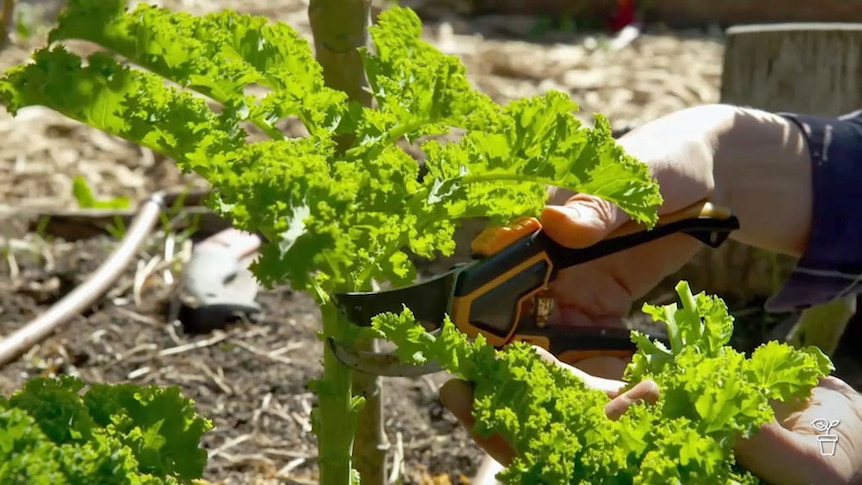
335 419
339 28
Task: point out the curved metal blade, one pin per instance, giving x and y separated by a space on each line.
429 301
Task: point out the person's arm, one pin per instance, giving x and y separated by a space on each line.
763 173
792 180
795 182
741 148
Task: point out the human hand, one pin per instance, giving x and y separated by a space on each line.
787 450
601 292
752 162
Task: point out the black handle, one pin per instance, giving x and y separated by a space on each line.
495 287
708 230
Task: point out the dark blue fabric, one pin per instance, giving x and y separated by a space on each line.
831 267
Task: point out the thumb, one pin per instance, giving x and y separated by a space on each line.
646 391
582 221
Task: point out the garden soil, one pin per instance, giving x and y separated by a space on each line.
250 377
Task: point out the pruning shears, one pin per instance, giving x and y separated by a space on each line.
503 293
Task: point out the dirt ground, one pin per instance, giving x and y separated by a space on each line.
250 377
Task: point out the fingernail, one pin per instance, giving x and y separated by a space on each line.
572 211
643 390
637 392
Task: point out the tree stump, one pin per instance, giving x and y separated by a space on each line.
814 68
805 68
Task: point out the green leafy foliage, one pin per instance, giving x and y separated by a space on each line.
85 198
710 395
213 92
51 433
334 219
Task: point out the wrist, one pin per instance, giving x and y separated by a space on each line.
762 172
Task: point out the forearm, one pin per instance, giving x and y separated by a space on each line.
762 171
759 163
793 181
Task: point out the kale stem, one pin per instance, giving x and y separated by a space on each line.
339 28
270 130
687 298
396 134
335 419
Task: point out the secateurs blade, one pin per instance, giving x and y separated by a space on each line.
503 293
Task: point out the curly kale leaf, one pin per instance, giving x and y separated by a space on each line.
113 434
335 218
710 395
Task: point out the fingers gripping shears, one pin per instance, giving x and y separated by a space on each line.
503 292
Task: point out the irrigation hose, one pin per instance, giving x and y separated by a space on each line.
79 299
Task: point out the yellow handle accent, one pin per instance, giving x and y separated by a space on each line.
702 209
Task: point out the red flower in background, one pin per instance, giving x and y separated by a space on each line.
625 15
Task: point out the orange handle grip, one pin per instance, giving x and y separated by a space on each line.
702 209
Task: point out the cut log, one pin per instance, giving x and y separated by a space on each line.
803 68
813 68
